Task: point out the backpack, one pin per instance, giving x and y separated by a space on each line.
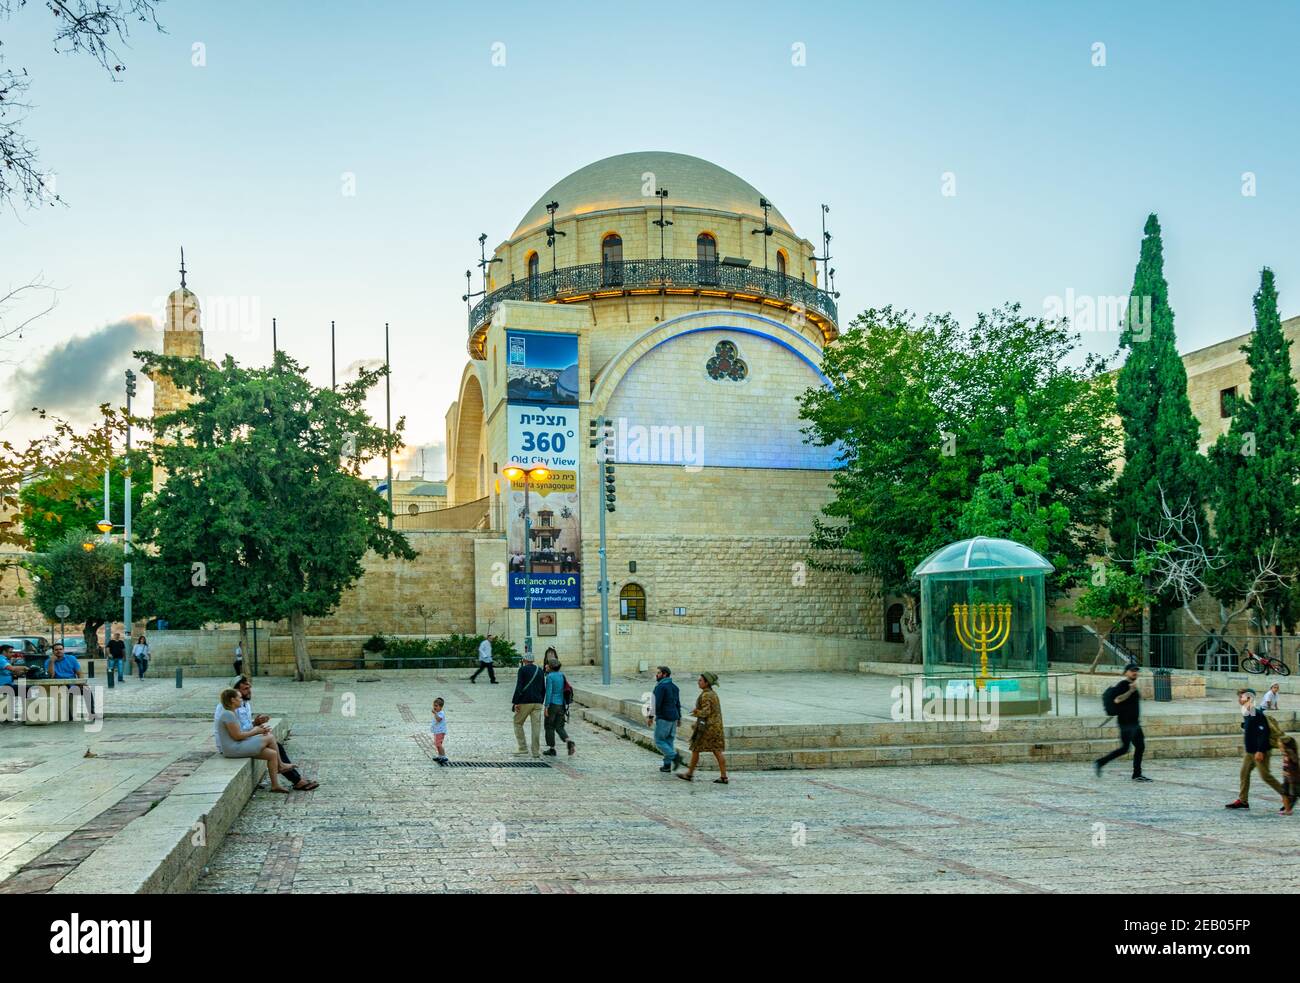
1275 731
568 692
1108 700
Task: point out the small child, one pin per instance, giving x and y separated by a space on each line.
439 730
1290 772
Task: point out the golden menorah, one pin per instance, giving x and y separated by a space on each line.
982 628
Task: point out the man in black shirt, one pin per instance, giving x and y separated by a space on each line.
530 695
116 655
1126 700
1257 738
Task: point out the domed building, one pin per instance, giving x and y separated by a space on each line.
669 297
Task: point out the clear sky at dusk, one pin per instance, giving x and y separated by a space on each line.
1056 162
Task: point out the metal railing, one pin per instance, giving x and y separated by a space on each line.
619 275
1174 650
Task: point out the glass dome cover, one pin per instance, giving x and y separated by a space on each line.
982 555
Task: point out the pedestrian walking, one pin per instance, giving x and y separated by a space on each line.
665 713
1290 771
707 735
485 659
1121 701
140 653
439 730
239 658
529 698
116 655
1257 736
558 696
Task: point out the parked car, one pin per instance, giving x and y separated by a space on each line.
75 645
30 646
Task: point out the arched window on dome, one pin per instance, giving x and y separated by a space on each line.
611 261
533 262
706 254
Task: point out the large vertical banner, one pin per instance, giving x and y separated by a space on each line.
542 431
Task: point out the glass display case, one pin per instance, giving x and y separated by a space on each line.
984 623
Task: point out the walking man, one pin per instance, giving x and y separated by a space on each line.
1124 696
485 659
666 712
530 695
1258 740
116 655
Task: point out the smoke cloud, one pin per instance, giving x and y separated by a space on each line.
73 378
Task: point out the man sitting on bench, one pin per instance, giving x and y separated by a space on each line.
66 666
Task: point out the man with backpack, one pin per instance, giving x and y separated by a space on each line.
529 698
1121 702
1260 738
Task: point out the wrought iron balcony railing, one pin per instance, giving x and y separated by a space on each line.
671 275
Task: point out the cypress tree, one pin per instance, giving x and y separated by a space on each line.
1256 464
1161 435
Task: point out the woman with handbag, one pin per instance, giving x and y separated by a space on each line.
707 735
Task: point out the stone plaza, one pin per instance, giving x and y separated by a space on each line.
386 818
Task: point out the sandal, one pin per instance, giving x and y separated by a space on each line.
721 781
306 785
686 778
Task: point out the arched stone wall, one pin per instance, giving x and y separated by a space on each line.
464 479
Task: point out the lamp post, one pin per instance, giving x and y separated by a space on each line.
766 230
661 194
513 474
128 590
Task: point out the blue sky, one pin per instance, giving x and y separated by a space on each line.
1056 162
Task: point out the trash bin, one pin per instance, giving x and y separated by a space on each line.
1163 681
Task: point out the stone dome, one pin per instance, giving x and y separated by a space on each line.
619 181
182 310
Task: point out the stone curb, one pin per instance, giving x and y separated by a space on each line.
157 853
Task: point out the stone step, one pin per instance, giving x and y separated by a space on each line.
1002 748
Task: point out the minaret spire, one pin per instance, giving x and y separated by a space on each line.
182 267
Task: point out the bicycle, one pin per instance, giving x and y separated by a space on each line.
1264 664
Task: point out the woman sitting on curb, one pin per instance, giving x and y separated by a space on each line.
235 742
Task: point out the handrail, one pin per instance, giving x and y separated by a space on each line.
666 274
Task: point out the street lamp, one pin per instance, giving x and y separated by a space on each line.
529 475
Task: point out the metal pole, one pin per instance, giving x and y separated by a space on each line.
275 342
603 587
604 598
333 381
254 646
107 511
528 568
127 589
388 397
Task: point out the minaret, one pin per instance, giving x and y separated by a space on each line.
183 336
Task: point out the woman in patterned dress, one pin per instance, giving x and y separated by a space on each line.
708 734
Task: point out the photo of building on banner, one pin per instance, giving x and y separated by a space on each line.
542 469
556 546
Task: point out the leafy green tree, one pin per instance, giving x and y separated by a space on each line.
1161 436
920 411
84 573
264 513
1112 596
1256 472
50 510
